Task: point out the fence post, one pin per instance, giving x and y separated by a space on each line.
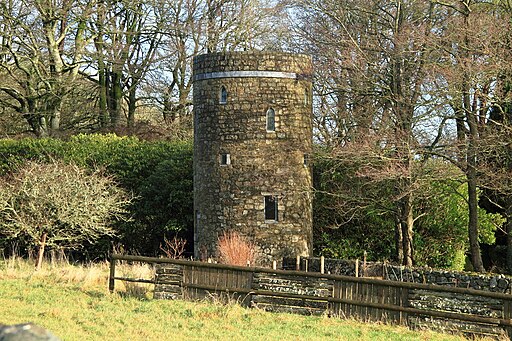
322 264
364 264
112 275
297 263
274 265
507 314
357 267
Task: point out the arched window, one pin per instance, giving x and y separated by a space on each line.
223 95
271 120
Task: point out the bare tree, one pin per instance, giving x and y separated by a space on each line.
128 36
373 58
43 46
467 77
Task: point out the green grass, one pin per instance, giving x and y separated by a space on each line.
74 303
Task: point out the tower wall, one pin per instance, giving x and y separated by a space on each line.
243 162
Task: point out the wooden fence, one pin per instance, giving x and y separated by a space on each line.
411 304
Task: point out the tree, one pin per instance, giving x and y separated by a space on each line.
195 27
240 24
169 83
441 235
347 223
473 60
59 205
374 58
498 186
42 50
128 34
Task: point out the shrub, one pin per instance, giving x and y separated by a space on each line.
235 249
173 248
441 238
158 173
59 205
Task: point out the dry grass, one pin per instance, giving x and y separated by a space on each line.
90 275
235 249
139 271
59 270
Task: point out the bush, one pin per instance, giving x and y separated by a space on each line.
59 205
441 238
345 228
159 174
235 249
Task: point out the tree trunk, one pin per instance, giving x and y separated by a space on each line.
399 245
407 230
509 239
213 7
40 254
102 69
35 122
472 177
474 245
116 97
132 100
103 89
55 121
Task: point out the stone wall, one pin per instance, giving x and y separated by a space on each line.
412 304
487 282
229 191
319 287
168 282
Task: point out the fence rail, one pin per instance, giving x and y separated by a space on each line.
413 304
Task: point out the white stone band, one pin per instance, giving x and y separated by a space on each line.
245 74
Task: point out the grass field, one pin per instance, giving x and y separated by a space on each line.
73 302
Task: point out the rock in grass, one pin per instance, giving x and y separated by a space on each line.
25 332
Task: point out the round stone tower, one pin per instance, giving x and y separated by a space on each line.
252 141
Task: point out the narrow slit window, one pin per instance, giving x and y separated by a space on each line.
225 159
306 159
197 219
271 208
223 95
306 97
271 120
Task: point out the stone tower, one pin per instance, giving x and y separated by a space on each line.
252 141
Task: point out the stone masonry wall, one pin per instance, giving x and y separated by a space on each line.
261 163
487 282
168 282
314 294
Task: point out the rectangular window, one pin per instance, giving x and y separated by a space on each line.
271 212
225 159
306 159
